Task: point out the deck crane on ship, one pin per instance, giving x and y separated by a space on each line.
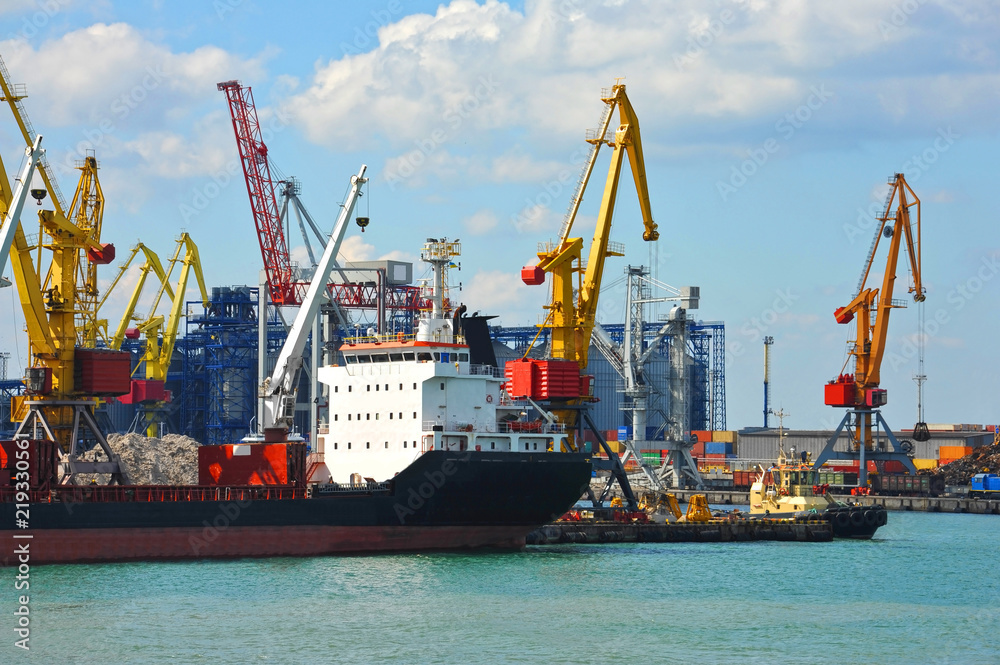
576 286
859 392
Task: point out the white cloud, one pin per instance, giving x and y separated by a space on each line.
505 295
111 73
481 222
456 77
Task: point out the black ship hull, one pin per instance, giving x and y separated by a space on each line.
443 501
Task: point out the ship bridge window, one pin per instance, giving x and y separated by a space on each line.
380 357
395 357
408 356
463 357
351 360
364 359
423 355
437 356
442 385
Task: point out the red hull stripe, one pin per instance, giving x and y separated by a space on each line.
146 544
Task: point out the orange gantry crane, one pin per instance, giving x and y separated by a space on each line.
870 308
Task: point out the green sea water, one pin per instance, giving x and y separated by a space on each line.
925 590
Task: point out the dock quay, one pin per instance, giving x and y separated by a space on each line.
943 504
715 531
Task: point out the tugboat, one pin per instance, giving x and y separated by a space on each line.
790 489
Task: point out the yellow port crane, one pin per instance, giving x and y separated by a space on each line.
65 379
572 315
576 287
160 334
870 308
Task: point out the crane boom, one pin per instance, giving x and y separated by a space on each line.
260 188
573 317
278 390
12 220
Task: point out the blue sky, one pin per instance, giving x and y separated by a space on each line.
770 128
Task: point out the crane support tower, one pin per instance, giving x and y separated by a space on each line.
572 311
859 392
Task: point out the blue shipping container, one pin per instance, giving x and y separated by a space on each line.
718 448
625 433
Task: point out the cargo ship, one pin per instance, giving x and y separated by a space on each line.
422 450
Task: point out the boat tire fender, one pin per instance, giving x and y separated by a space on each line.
857 518
871 518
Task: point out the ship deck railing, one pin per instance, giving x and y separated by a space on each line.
353 488
486 370
70 494
510 427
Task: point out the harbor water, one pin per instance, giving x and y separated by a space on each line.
925 590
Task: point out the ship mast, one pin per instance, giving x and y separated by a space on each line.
434 325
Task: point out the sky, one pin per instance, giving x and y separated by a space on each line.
769 129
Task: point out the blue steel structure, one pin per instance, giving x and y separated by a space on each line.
9 388
214 373
706 345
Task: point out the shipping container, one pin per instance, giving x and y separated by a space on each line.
953 452
893 466
922 463
625 433
611 435
698 449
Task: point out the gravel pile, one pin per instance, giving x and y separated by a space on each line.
172 460
981 460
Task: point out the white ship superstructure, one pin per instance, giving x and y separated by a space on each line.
398 396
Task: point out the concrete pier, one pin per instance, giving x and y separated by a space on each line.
720 531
